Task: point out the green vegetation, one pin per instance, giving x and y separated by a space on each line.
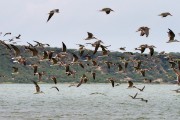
158 65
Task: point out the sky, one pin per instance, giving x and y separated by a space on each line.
77 17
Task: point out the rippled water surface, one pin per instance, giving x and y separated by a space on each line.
17 101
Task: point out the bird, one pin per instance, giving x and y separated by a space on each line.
142 99
171 36
173 64
9 33
33 50
55 88
15 70
90 36
6 45
141 89
144 31
120 68
83 79
37 88
112 81
108 63
107 10
133 97
122 48
151 48
40 74
165 14
35 67
54 79
143 72
177 90
178 75
18 37
94 75
131 84
51 13
45 56
16 50
75 58
54 61
63 47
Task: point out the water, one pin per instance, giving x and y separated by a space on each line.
17 101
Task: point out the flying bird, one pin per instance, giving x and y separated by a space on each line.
54 79
18 37
55 88
51 13
133 97
90 36
63 47
16 50
171 36
37 88
107 10
9 33
112 81
131 84
143 31
141 89
83 79
165 14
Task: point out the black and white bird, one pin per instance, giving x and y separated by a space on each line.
51 13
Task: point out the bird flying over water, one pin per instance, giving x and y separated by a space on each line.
37 88
133 97
55 88
141 89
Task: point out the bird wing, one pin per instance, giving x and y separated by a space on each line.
80 82
135 95
143 73
143 88
45 55
54 79
56 88
75 57
112 82
67 68
35 69
90 35
151 51
96 48
63 47
50 15
171 34
120 67
54 60
94 75
16 49
37 86
80 64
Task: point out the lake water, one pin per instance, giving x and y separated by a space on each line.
17 101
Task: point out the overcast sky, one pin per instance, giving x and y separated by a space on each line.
77 17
